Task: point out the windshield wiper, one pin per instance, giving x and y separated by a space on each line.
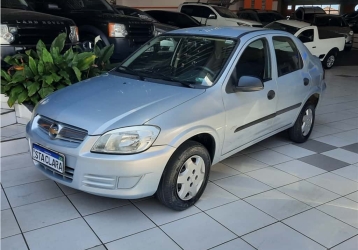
168 78
130 71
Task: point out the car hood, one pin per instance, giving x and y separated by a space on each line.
110 101
164 27
16 16
243 21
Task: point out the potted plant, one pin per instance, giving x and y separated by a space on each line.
36 74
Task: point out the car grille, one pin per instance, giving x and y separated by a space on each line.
66 176
31 35
257 26
67 132
140 32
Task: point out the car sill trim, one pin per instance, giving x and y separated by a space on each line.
280 112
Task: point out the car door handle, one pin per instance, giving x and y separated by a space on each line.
271 94
306 81
313 47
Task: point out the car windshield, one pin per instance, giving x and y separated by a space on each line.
193 61
100 5
14 4
136 13
281 26
225 12
269 17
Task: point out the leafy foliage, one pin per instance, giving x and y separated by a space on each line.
36 74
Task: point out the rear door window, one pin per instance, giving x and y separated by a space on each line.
288 57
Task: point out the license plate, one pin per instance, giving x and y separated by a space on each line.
48 158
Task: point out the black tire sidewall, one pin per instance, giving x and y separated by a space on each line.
167 189
326 60
295 132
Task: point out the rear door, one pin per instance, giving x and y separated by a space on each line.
292 81
250 115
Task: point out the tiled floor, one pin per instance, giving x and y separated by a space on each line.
275 195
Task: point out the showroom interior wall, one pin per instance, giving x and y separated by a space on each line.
173 4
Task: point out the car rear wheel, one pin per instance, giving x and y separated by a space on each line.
302 128
330 59
185 176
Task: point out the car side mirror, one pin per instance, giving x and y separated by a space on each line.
249 84
212 16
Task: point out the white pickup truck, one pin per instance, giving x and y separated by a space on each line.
322 43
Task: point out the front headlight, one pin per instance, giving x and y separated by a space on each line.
243 24
351 33
128 140
73 36
117 30
7 34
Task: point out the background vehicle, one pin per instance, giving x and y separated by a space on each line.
22 28
263 16
320 42
214 15
133 12
307 13
173 18
238 91
97 18
352 20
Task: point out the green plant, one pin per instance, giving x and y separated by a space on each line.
36 74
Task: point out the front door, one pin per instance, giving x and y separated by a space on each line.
250 115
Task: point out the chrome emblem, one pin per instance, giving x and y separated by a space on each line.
53 131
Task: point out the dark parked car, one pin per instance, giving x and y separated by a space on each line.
174 18
337 24
133 12
22 28
263 16
352 20
97 18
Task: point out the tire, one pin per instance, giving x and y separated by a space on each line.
300 133
184 166
329 60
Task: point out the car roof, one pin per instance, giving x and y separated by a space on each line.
294 23
258 11
311 10
229 32
169 11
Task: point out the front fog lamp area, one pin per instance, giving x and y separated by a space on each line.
117 30
7 34
126 140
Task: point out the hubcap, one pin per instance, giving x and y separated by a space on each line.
330 61
88 45
191 177
307 121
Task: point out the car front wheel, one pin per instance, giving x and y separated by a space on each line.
303 126
185 176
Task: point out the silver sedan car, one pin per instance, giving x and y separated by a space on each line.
184 101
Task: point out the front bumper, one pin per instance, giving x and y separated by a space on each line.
118 176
